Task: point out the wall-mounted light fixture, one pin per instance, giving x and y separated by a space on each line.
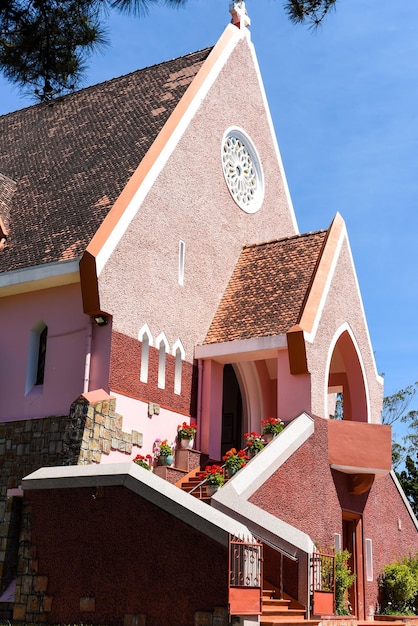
100 320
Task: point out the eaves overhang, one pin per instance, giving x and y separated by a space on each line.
205 519
39 277
242 349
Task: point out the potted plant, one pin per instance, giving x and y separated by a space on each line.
214 477
234 461
163 452
254 443
271 426
186 434
143 461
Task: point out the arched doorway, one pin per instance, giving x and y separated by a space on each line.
231 411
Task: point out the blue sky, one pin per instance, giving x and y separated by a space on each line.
344 101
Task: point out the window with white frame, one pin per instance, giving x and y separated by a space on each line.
369 559
182 250
35 372
179 353
163 348
145 338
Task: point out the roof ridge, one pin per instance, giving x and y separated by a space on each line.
104 82
288 238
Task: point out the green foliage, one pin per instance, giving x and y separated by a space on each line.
395 406
44 44
399 587
395 409
312 12
344 578
409 482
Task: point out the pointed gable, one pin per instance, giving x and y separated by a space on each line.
72 159
268 288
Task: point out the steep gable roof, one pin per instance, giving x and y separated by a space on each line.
72 160
268 288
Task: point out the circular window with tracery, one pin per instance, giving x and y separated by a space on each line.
242 170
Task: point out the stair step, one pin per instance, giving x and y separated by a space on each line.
272 620
282 602
290 615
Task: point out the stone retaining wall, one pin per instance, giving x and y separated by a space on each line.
91 429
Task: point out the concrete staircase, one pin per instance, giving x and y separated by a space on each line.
282 611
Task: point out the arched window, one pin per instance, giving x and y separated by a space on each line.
145 338
179 353
163 348
35 373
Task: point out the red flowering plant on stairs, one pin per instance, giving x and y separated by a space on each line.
213 475
254 442
272 426
235 460
186 431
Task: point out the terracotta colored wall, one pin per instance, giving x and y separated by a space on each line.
125 370
342 305
129 555
306 493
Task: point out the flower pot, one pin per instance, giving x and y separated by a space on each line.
186 443
268 437
211 489
231 471
165 460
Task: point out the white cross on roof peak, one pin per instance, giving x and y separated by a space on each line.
239 14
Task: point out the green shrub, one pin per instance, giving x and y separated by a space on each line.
344 578
399 587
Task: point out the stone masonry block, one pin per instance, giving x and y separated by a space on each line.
47 604
105 446
33 605
88 604
26 584
19 612
134 619
202 618
40 584
220 616
97 456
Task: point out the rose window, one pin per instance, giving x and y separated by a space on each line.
242 171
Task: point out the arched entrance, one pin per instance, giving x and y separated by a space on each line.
231 411
346 378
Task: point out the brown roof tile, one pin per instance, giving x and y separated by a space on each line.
71 160
7 190
267 289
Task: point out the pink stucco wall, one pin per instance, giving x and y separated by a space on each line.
191 202
61 310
